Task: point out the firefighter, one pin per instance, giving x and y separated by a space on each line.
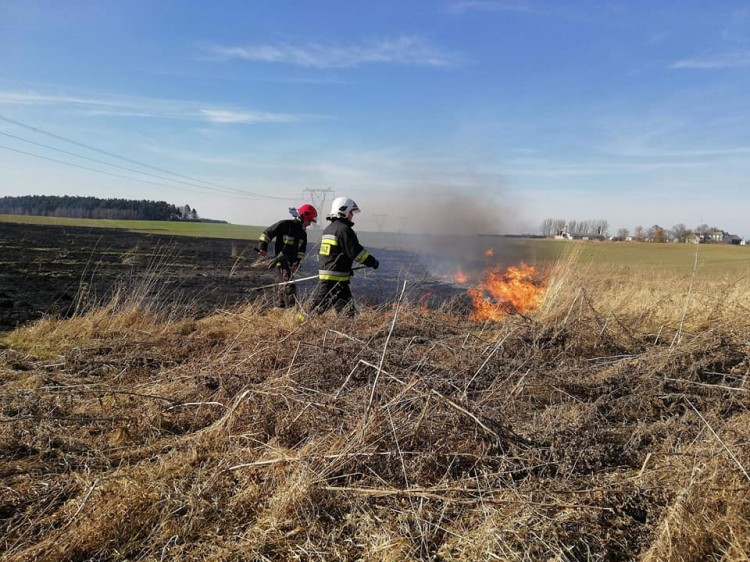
339 249
289 250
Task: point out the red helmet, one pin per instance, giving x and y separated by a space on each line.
307 212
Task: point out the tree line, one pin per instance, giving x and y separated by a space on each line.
597 227
679 232
91 208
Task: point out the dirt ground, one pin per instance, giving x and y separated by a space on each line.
57 270
51 270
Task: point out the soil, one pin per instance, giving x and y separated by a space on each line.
59 270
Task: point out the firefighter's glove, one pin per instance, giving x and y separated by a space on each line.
263 253
282 262
375 263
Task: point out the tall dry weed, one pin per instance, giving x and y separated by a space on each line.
643 300
611 424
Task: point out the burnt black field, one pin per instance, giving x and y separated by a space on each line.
61 270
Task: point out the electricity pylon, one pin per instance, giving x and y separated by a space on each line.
380 220
317 197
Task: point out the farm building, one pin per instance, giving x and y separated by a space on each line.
563 235
715 236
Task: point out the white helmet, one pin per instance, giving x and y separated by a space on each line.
342 206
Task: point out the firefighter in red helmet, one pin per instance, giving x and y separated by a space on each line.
289 249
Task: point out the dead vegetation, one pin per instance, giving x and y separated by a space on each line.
610 424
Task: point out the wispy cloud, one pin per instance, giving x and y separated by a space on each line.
487 6
224 116
335 81
33 98
713 62
407 50
117 106
558 169
708 153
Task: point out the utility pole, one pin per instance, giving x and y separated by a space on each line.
317 197
380 219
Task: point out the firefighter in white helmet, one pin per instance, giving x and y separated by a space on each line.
339 249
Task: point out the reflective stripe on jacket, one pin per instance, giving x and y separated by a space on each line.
291 239
339 249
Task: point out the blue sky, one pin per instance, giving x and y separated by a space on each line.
455 115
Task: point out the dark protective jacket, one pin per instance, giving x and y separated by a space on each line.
339 249
291 240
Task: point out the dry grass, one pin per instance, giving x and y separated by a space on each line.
611 424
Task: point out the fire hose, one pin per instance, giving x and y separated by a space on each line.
293 281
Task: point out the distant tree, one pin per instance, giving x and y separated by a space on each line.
601 227
547 227
623 233
657 234
681 232
702 229
88 207
639 233
551 226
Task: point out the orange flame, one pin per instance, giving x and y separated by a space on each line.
489 253
460 276
518 289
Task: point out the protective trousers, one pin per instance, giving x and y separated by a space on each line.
333 294
286 295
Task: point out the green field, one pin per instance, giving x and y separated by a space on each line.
670 258
679 258
167 228
674 258
712 259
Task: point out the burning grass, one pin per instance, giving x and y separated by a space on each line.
610 424
517 289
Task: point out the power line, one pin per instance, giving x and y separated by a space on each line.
136 162
84 167
89 147
237 192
